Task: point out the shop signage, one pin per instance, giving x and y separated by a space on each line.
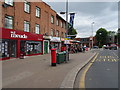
67 42
55 39
14 35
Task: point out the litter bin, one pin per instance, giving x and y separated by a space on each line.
60 57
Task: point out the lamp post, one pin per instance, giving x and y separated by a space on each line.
66 27
92 24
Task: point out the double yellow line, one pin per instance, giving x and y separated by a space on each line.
82 78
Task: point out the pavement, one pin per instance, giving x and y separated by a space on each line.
37 72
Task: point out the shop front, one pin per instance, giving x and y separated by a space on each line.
55 42
14 42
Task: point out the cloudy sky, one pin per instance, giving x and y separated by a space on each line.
104 14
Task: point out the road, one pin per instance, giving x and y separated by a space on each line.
102 73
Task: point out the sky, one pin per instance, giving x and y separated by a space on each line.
103 14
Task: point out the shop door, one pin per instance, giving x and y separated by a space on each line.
12 48
45 47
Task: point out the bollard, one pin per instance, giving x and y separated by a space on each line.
53 56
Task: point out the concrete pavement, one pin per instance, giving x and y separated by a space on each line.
37 72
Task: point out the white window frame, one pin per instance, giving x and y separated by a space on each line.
57 22
26 26
57 33
37 12
52 32
52 19
37 29
26 6
61 24
8 22
9 2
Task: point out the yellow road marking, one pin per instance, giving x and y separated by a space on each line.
115 60
105 56
108 59
82 79
104 60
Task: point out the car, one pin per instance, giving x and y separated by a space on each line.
113 47
95 47
105 46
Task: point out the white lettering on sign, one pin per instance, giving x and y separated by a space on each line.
14 35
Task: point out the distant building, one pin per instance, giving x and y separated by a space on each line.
87 41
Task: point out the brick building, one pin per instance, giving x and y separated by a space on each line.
27 28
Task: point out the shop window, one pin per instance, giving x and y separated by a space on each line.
37 29
9 2
27 6
26 26
9 22
33 47
4 44
37 12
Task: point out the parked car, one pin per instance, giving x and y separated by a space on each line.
113 47
95 47
105 46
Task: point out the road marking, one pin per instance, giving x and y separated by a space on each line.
105 56
115 60
108 56
115 54
108 59
104 60
82 79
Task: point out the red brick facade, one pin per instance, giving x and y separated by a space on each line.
19 16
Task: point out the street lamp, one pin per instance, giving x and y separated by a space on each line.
66 27
92 24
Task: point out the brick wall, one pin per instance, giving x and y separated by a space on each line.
17 11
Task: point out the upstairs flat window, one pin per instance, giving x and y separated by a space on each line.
52 19
27 6
37 12
57 22
9 22
9 2
26 26
37 29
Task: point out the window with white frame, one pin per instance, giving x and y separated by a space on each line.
52 19
57 22
52 32
26 26
37 12
57 33
61 24
37 29
62 34
9 2
27 6
9 22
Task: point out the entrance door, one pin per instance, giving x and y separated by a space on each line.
12 48
45 47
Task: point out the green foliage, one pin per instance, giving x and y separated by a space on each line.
101 36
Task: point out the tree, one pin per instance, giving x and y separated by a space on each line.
71 31
101 36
